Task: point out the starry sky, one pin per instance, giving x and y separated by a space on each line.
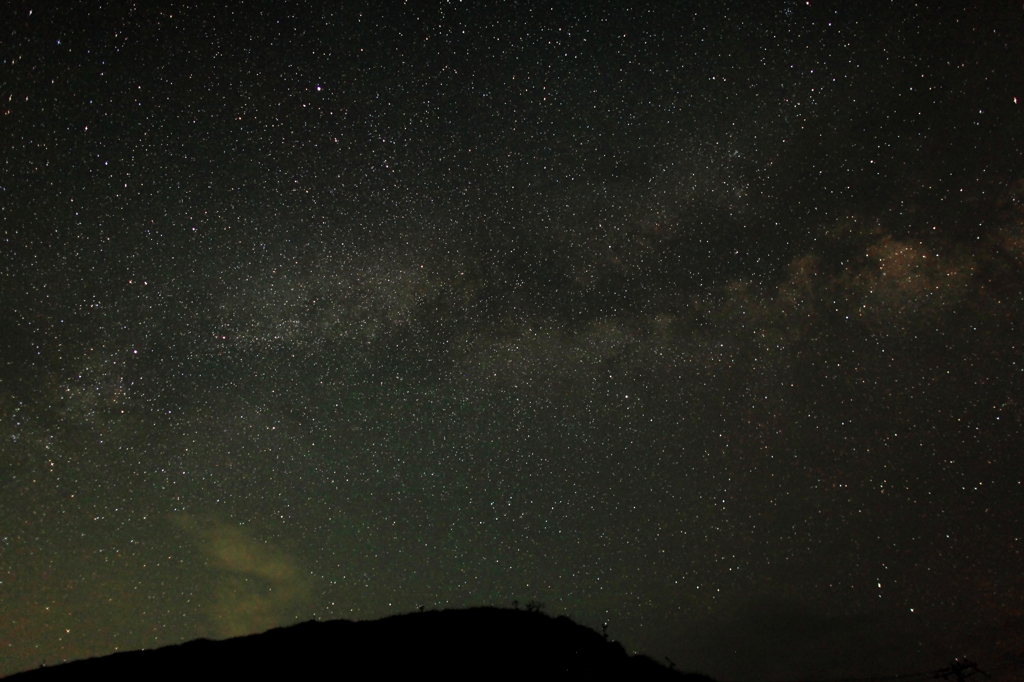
702 319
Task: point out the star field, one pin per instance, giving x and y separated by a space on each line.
700 320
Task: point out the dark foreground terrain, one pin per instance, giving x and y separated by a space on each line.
479 643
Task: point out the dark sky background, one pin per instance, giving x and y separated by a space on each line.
700 318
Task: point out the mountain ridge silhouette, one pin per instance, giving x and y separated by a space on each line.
489 642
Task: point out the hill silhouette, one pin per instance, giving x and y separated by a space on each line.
483 642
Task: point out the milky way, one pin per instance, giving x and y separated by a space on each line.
703 322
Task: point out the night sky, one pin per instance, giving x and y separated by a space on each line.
701 319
